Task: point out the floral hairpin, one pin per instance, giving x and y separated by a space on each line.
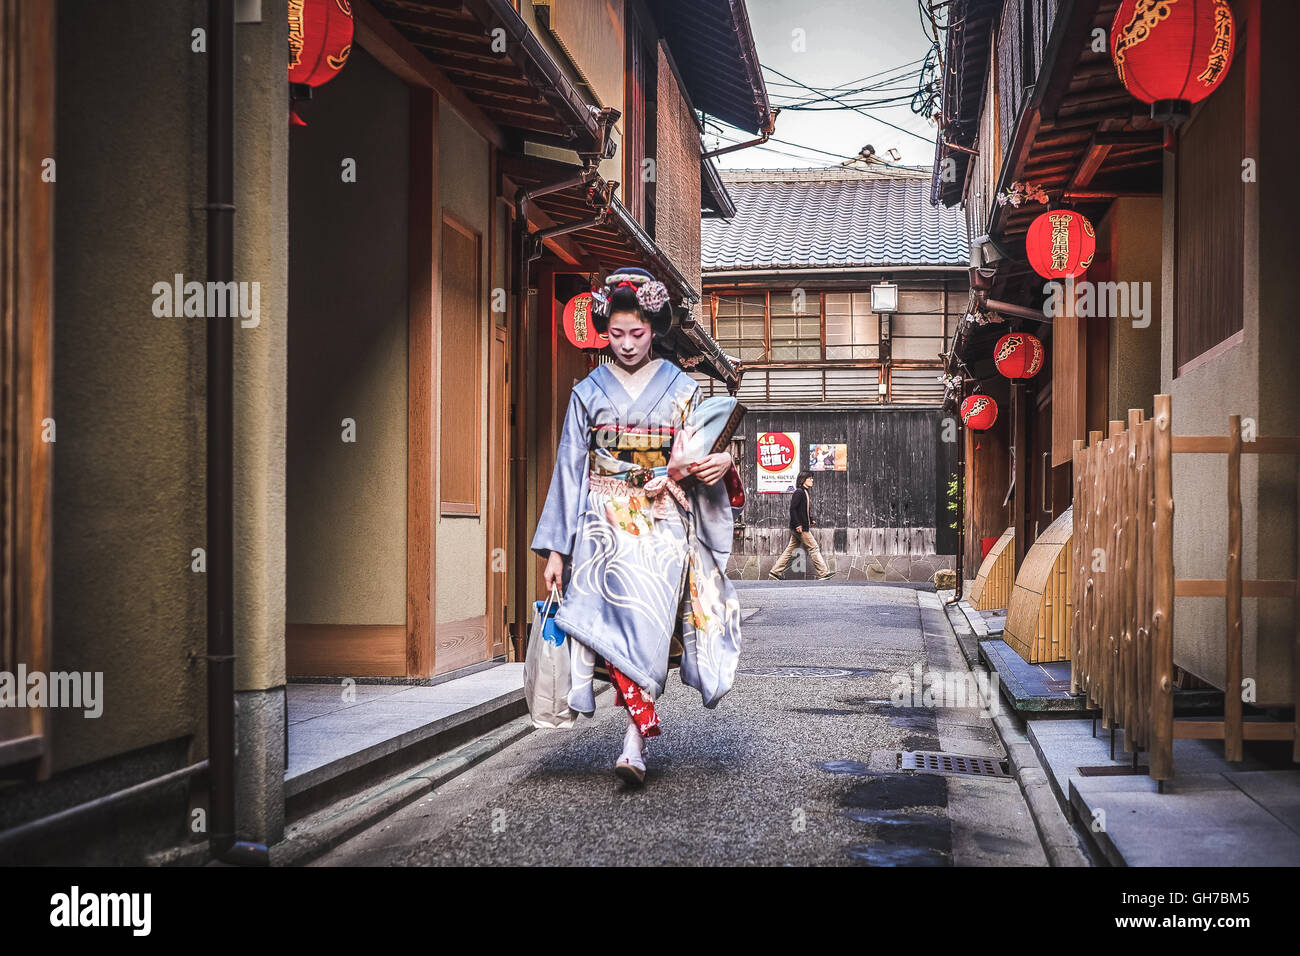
651 294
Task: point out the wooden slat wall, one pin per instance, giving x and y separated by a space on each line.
460 461
894 459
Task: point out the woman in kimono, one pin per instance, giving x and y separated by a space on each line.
638 536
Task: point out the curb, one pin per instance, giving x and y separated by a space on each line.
1060 840
351 820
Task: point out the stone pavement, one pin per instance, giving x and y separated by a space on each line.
797 765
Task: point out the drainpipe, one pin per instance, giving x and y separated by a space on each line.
765 135
961 498
220 440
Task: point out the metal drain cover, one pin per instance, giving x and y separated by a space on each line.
934 761
794 670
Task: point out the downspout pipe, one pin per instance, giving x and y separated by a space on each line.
961 502
223 843
764 135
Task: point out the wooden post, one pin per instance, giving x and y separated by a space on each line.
1232 746
1162 647
1096 682
1020 435
1128 648
1077 567
1295 630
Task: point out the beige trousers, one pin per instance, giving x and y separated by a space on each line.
805 540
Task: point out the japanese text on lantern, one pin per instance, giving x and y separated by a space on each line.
295 32
1060 242
580 308
1146 14
1221 46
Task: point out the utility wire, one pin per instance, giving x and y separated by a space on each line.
856 109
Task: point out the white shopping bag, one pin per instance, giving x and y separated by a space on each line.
547 680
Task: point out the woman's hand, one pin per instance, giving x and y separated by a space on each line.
554 573
711 469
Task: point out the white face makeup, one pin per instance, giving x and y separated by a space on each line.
629 339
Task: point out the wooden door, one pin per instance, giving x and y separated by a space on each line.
26 395
498 488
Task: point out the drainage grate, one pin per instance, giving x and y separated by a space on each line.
1112 770
794 670
933 761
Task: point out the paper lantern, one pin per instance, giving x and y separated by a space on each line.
320 39
979 412
1172 53
579 329
1019 355
1060 244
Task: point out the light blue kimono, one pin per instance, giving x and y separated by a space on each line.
631 575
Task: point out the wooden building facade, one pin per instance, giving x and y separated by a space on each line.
1184 308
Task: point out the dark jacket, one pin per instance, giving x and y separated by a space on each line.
800 510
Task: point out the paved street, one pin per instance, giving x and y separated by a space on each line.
795 766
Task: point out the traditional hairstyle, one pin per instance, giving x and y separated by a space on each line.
632 290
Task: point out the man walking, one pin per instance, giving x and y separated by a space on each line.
801 522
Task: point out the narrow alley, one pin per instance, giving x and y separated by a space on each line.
797 765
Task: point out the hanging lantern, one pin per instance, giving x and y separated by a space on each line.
1172 53
578 327
1019 355
320 39
979 412
1060 244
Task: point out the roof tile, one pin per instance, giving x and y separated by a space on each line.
794 221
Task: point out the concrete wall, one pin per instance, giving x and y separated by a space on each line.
128 387
465 190
1255 379
348 335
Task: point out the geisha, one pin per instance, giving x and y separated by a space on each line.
637 525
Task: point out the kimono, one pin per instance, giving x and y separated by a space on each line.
645 557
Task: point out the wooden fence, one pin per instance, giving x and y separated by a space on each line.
1124 586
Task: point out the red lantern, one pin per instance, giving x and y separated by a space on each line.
979 412
1019 355
320 39
578 326
1172 53
1060 244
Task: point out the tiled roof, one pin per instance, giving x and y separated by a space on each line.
818 219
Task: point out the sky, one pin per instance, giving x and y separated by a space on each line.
841 42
